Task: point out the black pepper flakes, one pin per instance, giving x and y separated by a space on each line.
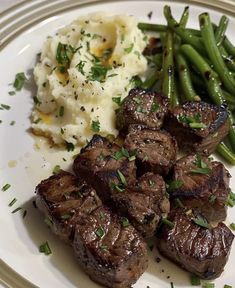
83 109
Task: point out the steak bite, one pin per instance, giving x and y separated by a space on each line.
105 167
198 126
144 204
142 107
110 250
202 184
155 150
202 251
63 198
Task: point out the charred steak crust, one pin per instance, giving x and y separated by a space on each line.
207 192
97 165
144 204
112 255
63 198
204 252
155 149
181 120
142 107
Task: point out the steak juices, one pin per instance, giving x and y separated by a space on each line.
119 194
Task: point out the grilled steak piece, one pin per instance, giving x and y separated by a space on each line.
206 189
63 198
99 165
142 107
202 251
110 251
155 149
153 47
198 126
144 204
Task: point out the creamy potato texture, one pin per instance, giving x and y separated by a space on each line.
84 71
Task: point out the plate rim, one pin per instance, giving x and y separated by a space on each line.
8 276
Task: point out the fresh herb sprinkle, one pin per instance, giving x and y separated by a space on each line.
20 79
6 187
45 248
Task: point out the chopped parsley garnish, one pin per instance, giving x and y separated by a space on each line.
16 210
124 153
36 100
98 72
195 280
61 111
202 166
95 126
212 198
232 226
167 222
201 222
70 146
122 178
19 81
208 285
129 49
104 247
12 202
5 107
6 187
154 107
137 81
141 109
80 67
11 93
137 100
124 222
117 187
175 184
56 169
64 53
117 100
179 203
45 248
193 122
204 171
99 232
112 75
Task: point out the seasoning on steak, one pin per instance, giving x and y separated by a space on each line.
63 198
109 249
202 184
198 126
155 149
144 204
142 107
103 165
202 251
153 47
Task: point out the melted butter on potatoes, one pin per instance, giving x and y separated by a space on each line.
81 69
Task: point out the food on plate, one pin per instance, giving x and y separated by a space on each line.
83 71
108 247
64 198
202 184
198 126
200 250
155 149
122 187
142 107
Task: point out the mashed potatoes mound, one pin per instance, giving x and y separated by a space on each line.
84 71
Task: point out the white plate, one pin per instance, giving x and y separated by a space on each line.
24 29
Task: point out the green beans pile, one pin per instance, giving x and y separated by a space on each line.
198 63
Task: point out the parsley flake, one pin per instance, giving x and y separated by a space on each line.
95 126
19 81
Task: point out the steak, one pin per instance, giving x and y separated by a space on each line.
155 150
201 251
63 198
153 47
110 250
100 165
144 204
206 189
198 126
142 107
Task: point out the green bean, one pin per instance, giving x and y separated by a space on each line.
229 46
184 17
156 59
212 83
221 29
214 53
168 68
185 80
152 27
225 152
151 80
184 34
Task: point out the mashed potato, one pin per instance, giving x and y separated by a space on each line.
84 71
